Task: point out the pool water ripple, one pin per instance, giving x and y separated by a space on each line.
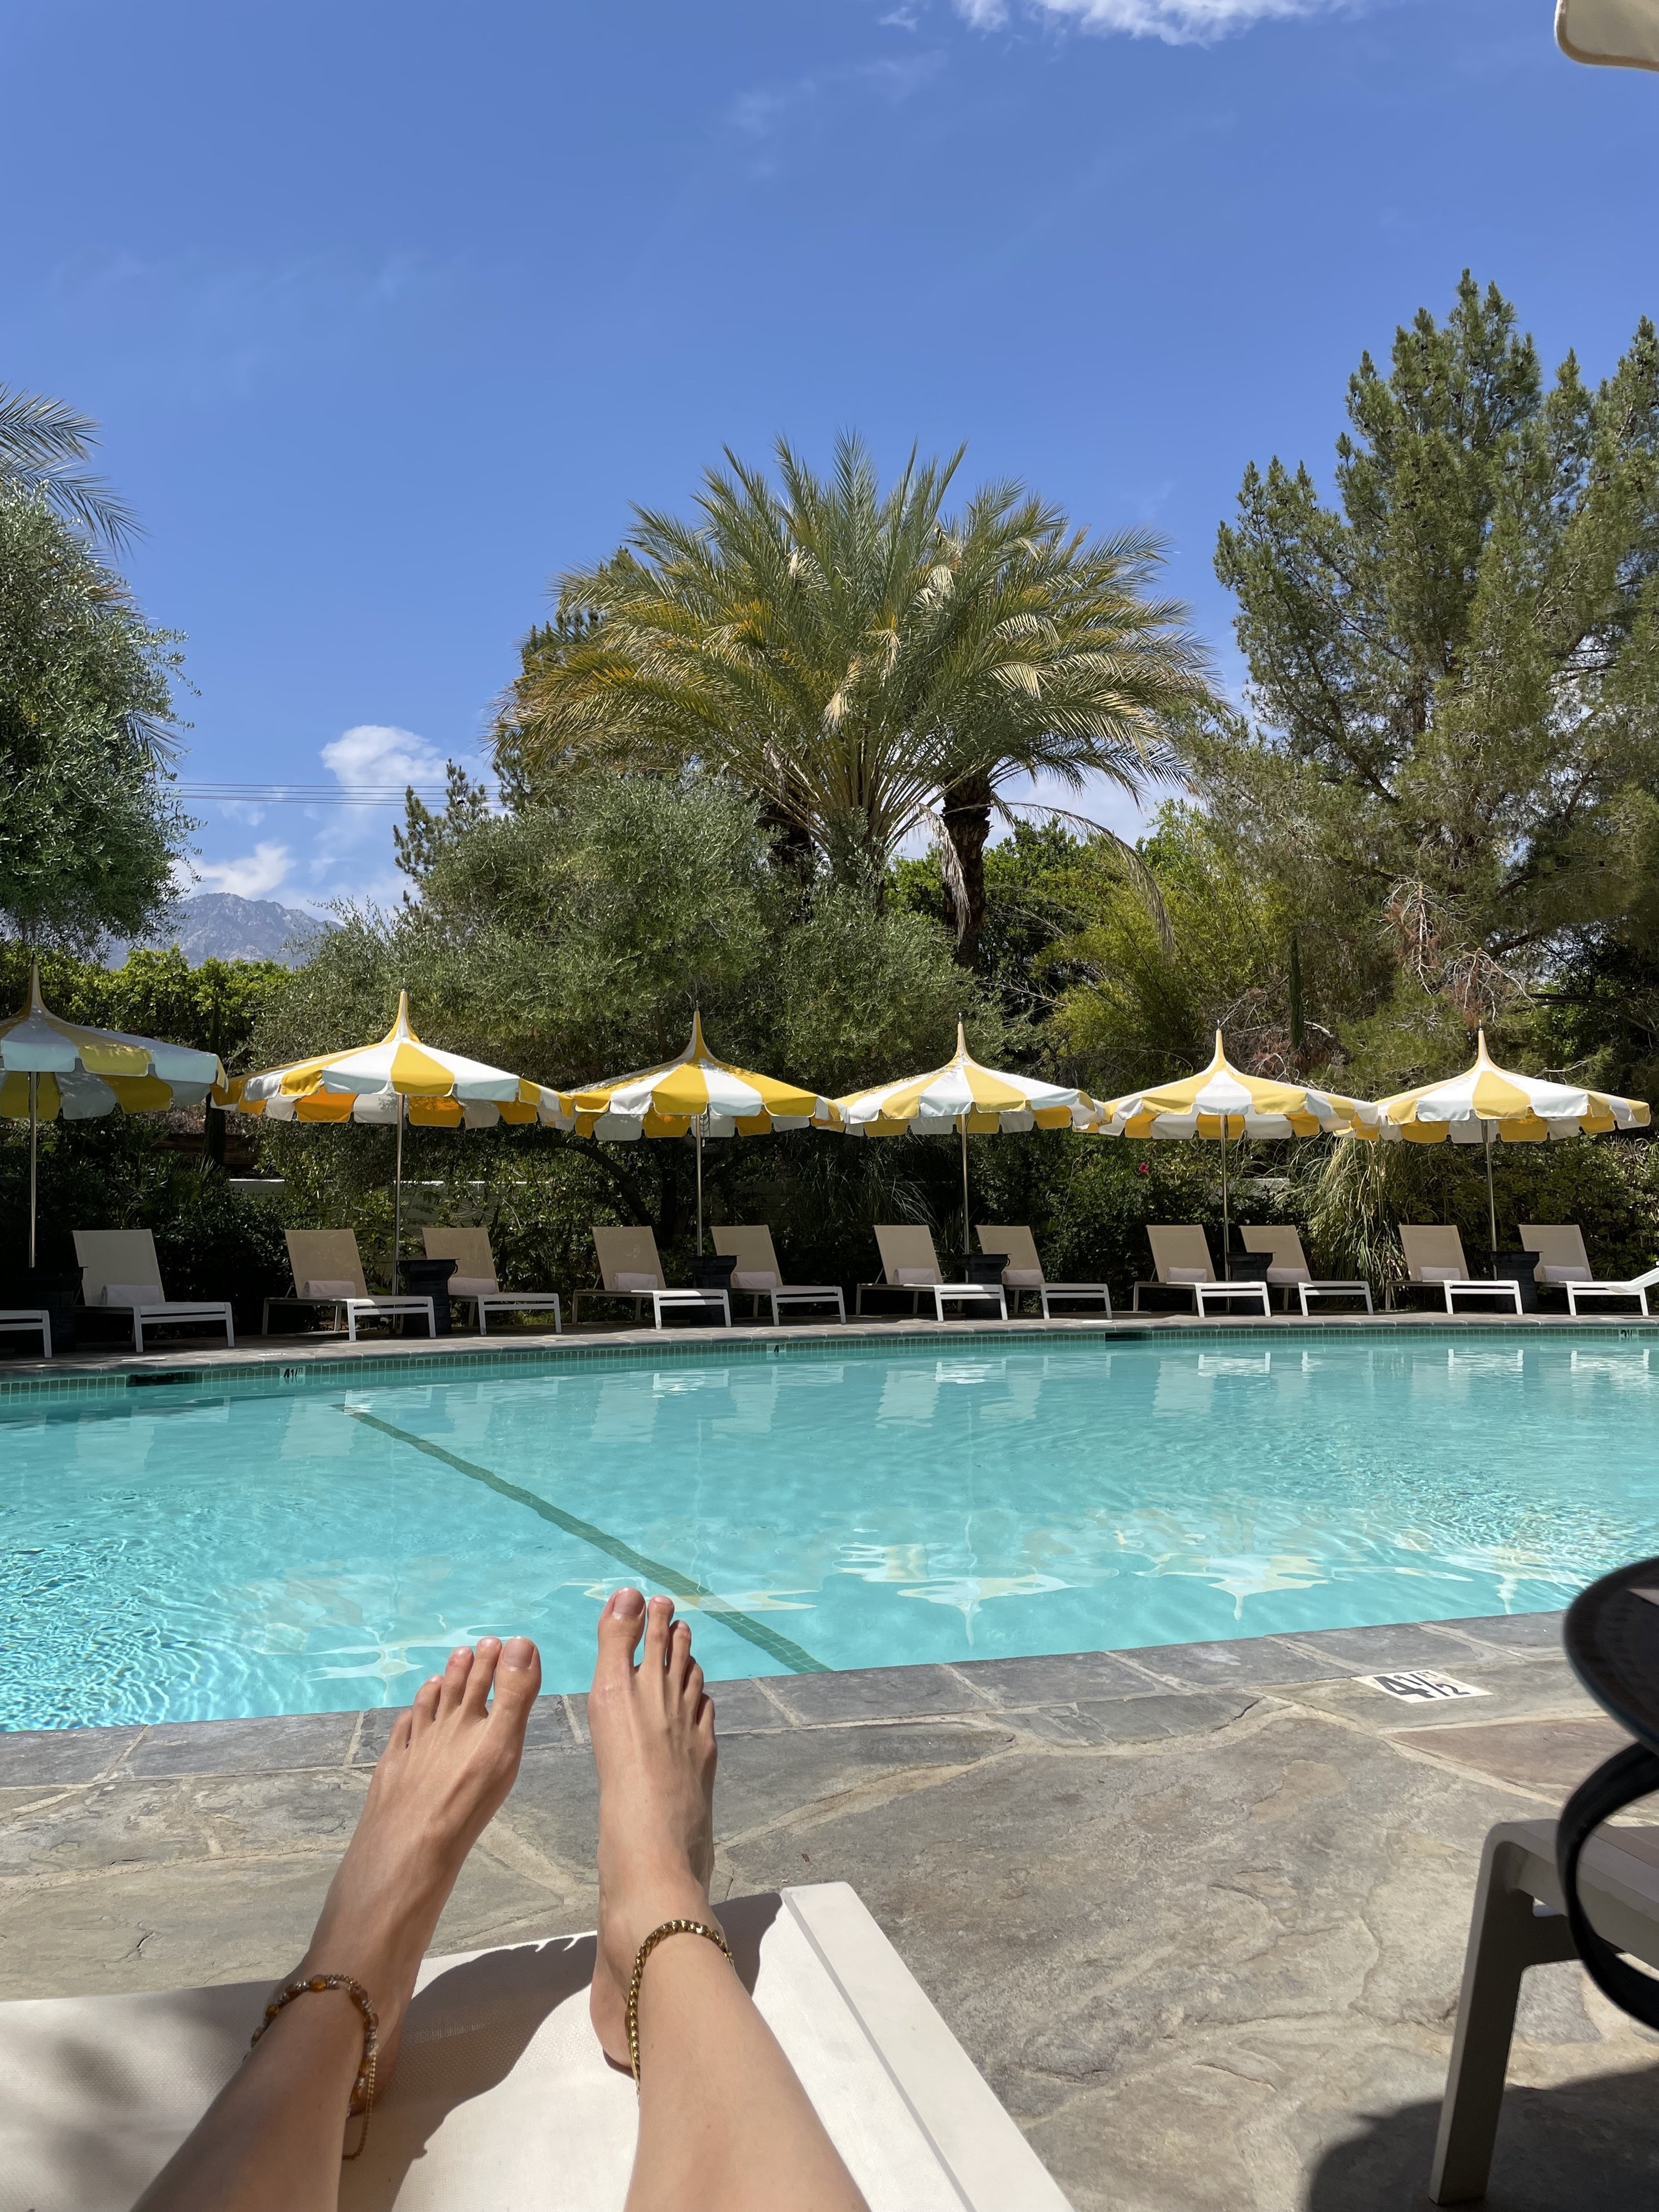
213 1553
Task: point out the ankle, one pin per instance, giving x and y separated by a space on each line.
632 1918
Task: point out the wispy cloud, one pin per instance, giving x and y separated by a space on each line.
255 875
351 857
762 112
1177 22
225 326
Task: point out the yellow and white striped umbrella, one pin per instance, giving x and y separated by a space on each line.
82 1072
1616 33
1221 1100
381 1084
963 1095
694 1090
968 1098
1519 1110
49 1066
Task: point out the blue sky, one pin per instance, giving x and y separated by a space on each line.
389 311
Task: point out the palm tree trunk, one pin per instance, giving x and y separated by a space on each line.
793 852
967 817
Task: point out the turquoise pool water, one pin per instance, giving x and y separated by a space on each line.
183 1553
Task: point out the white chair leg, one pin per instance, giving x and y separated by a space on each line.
138 1331
230 1330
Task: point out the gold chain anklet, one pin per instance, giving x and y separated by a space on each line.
362 2089
669 1927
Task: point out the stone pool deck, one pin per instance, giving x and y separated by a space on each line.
102 1367
1197 1912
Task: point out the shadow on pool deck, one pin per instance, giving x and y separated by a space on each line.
1541 2163
1197 1912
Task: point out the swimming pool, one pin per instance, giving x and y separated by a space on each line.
193 1551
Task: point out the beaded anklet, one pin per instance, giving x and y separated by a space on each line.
362 2089
668 1928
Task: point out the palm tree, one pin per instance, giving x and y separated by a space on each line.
42 445
864 663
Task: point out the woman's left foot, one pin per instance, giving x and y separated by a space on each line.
445 1772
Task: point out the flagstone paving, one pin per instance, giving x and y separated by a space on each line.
1197 1912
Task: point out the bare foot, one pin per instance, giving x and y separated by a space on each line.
653 1744
449 1765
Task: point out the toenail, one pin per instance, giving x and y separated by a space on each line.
519 1651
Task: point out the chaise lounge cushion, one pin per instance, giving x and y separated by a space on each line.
754 1279
636 1285
1556 1272
1190 1275
502 2099
916 1278
133 1294
1289 1275
472 1286
1023 1279
1440 1275
330 1289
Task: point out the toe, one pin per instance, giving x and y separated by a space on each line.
518 1680
620 1624
474 1696
425 1710
679 1654
659 1627
453 1682
692 1690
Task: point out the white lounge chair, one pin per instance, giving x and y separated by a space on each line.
1289 1270
1181 1255
474 1279
1024 1275
502 2096
1434 1253
1619 1885
328 1271
120 1273
908 1262
758 1274
28 1319
1564 1265
629 1268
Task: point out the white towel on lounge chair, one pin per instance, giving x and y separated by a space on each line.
502 2101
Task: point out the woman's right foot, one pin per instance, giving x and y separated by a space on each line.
653 1744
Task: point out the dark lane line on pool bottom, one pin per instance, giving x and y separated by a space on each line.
791 1656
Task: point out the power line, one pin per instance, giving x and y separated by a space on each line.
307 794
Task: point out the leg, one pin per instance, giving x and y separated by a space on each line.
1506 1936
271 2140
723 2124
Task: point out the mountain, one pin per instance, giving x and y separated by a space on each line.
219 925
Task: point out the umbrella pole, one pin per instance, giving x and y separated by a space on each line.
1491 1203
34 1159
700 1123
398 1199
967 1234
1226 1212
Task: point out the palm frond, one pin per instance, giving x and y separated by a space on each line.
43 443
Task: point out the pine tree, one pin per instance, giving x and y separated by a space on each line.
1449 754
